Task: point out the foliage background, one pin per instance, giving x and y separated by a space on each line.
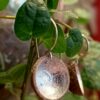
13 51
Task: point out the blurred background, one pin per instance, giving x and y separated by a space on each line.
84 14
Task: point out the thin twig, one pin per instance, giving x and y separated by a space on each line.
56 34
31 60
2 61
66 25
68 12
37 48
7 17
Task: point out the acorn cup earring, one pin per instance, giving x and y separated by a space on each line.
50 75
76 85
85 47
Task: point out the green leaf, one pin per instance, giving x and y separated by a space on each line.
32 19
71 96
83 16
70 2
73 42
3 4
24 21
13 75
42 22
49 39
52 4
91 69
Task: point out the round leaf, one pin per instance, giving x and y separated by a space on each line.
24 21
42 22
73 42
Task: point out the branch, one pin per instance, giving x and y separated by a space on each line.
2 61
32 57
7 17
66 25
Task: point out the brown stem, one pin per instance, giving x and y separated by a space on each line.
7 17
66 25
31 60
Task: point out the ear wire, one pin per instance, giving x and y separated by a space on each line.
37 48
85 48
56 34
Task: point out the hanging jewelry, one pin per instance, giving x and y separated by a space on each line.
50 75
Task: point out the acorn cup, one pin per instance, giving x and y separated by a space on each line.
50 78
76 85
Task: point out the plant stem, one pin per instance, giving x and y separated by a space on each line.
2 61
66 25
7 17
32 57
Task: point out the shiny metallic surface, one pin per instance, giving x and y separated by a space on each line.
50 78
85 47
79 79
76 84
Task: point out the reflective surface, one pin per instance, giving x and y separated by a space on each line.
84 49
76 84
50 78
79 79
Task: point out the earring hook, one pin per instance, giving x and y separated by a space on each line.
56 38
56 34
86 42
85 49
37 48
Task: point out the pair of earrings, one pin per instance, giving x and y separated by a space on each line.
76 84
51 77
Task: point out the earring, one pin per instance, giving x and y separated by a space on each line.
50 75
76 85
